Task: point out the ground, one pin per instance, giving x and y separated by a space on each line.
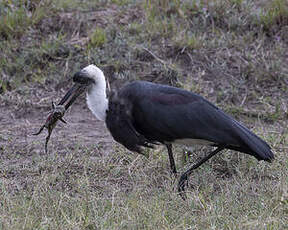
234 53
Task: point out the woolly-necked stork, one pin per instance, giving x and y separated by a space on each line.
142 114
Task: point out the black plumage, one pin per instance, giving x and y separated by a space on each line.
143 113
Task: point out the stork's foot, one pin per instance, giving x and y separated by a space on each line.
184 177
183 182
174 173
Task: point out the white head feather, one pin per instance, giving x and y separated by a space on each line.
96 95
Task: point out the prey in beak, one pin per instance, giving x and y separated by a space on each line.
59 110
55 114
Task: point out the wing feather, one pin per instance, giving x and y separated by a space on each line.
164 114
120 124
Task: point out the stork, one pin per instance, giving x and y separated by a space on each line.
142 114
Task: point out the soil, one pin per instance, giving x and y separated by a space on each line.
18 123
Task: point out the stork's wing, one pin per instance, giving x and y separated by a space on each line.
119 122
171 114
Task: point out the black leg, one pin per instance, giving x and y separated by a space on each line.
171 158
184 176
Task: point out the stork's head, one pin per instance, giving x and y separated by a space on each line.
84 80
91 74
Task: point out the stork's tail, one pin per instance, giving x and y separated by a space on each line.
255 145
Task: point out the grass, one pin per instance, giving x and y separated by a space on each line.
82 190
97 38
232 52
275 15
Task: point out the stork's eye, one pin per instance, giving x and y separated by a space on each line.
82 78
57 114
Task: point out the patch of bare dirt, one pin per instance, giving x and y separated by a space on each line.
19 122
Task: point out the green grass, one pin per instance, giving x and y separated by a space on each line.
97 38
275 15
233 52
82 190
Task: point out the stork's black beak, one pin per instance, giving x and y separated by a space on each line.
81 82
72 93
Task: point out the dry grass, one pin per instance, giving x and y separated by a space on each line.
232 52
87 190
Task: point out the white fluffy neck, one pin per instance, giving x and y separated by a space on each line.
96 97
